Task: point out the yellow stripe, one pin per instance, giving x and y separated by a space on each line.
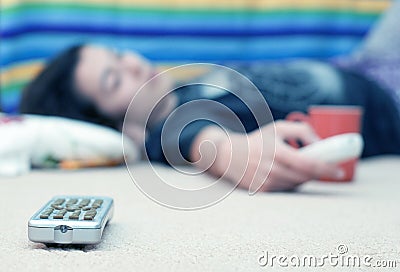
360 5
20 72
183 74
25 72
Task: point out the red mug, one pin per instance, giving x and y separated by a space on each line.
332 120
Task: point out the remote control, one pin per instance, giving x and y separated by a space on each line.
336 149
71 220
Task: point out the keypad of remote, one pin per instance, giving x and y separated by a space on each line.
72 209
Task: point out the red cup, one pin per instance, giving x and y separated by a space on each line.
328 121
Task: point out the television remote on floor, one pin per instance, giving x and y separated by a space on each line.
71 220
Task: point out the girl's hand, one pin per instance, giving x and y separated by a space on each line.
255 158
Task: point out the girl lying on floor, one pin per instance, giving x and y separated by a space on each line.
96 84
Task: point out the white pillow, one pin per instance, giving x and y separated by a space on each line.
44 138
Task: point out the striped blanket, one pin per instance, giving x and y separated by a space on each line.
170 32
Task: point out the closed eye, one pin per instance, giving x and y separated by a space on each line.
116 82
111 80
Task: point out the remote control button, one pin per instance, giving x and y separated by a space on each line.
72 201
73 208
84 202
44 216
75 215
90 215
48 211
78 212
97 203
60 214
91 212
57 207
86 208
59 201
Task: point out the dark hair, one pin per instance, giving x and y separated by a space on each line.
54 92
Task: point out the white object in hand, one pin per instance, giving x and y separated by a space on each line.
335 149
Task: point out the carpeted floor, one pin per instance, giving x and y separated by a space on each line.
362 216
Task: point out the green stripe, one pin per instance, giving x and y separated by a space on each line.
108 8
14 86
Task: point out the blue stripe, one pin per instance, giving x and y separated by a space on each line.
174 20
183 49
11 26
288 47
143 21
243 31
10 102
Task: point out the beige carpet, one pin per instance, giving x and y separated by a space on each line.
363 216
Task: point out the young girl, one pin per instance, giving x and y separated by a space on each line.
96 84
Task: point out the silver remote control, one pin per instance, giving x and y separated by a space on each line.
71 220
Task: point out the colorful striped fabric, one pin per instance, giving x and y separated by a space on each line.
175 31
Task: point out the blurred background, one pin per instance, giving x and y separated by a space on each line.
171 32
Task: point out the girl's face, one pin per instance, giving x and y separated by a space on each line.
111 80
